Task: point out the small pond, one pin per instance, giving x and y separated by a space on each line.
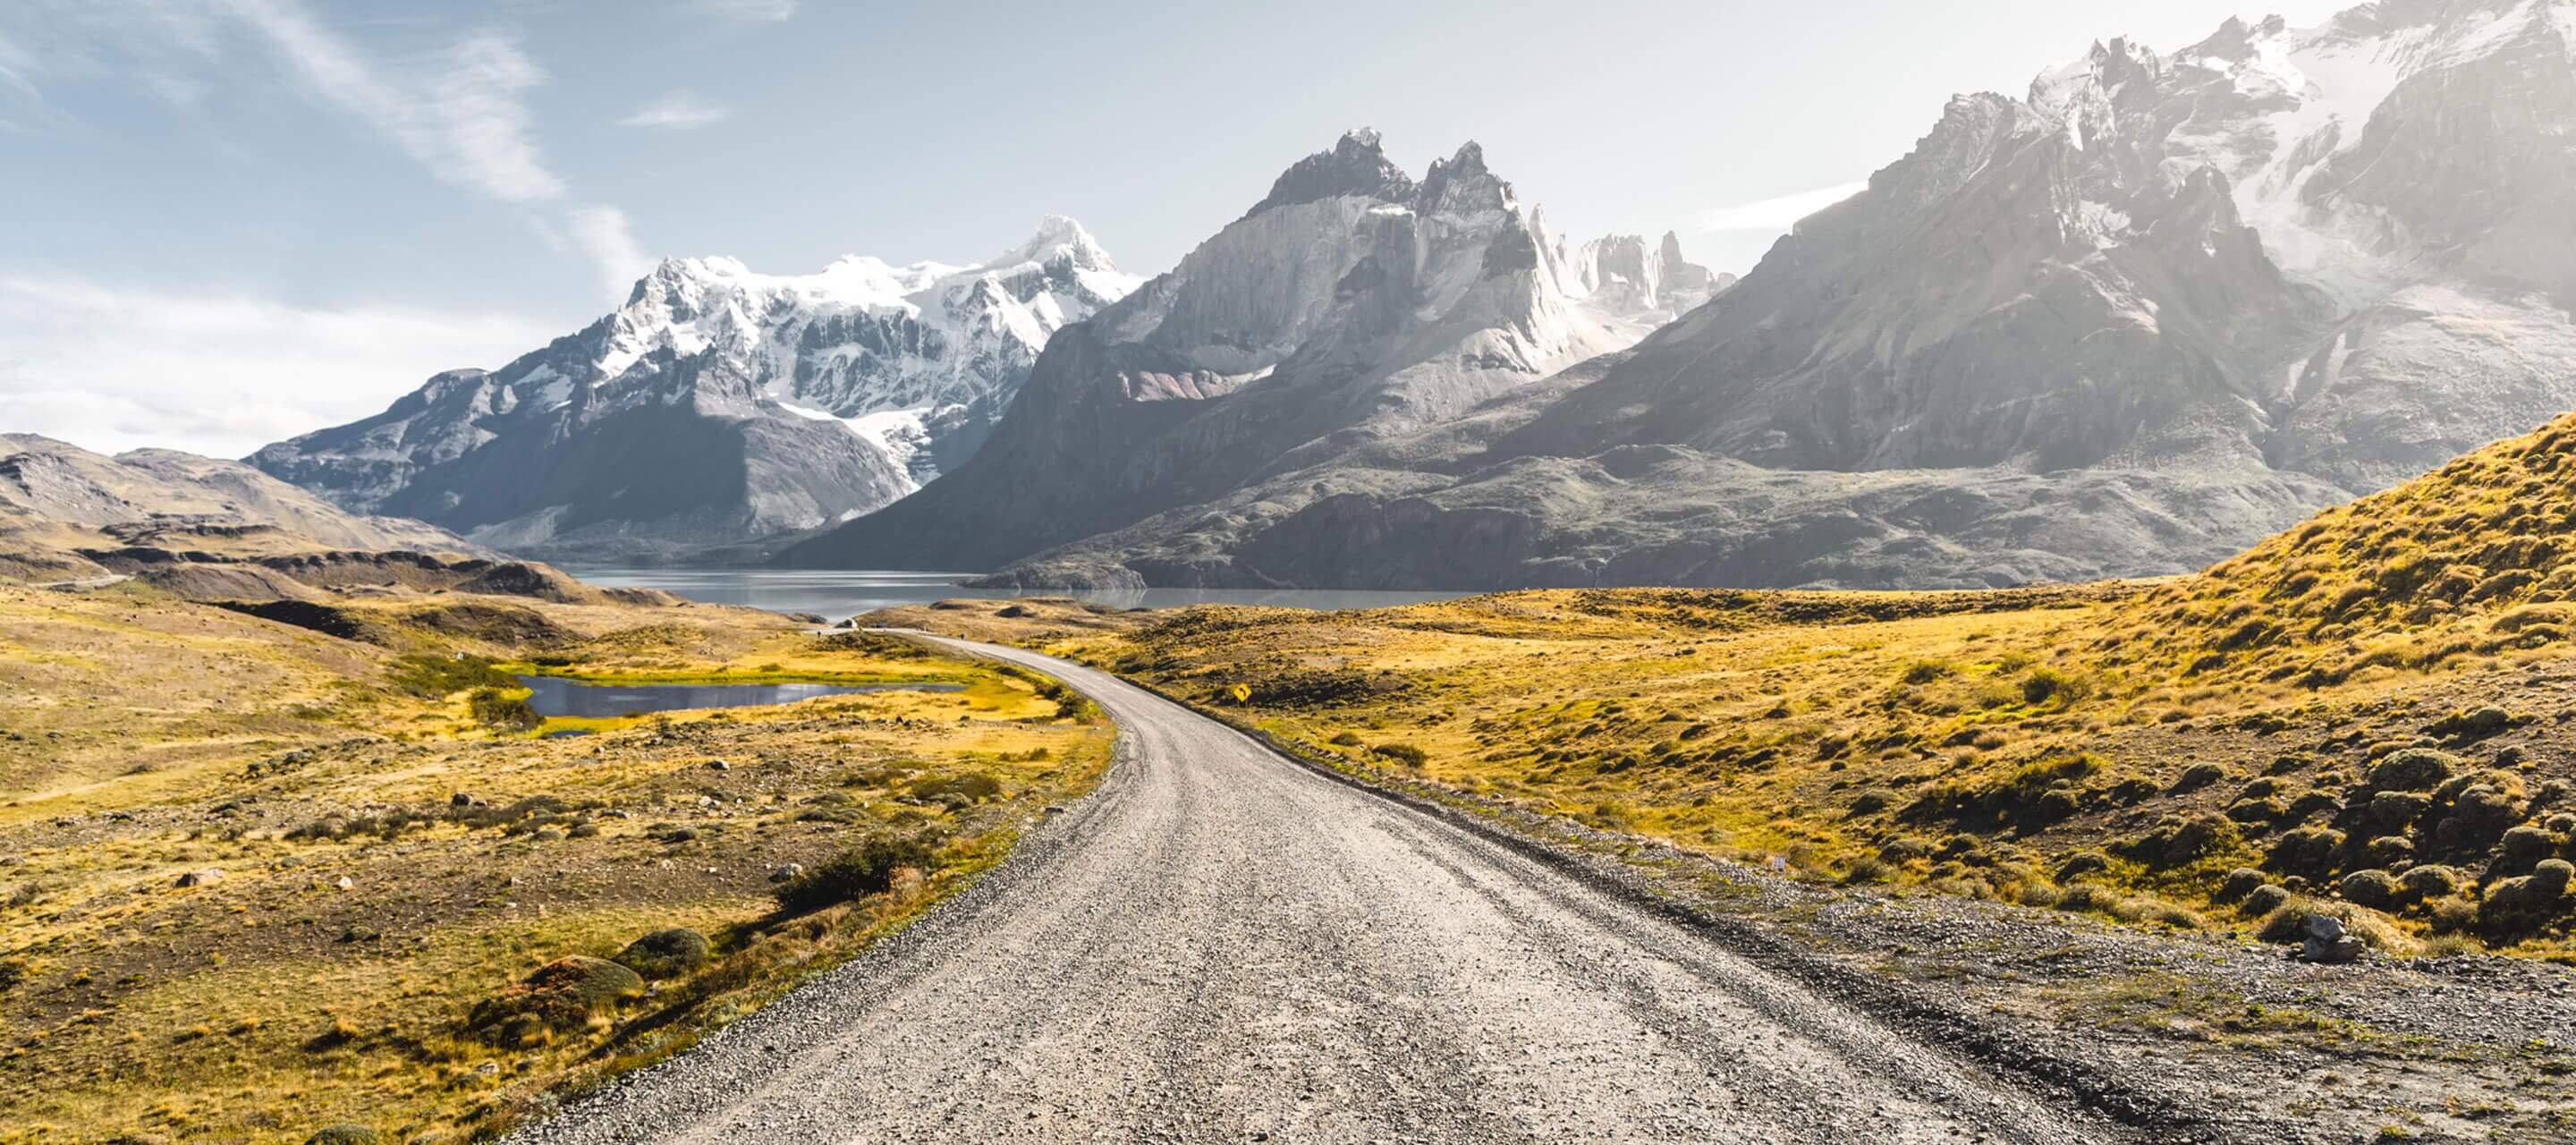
555 696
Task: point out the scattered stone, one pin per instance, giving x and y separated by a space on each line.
718 765
346 883
202 878
2327 944
786 872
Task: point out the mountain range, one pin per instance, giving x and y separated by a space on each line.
2157 307
2152 309
718 405
720 409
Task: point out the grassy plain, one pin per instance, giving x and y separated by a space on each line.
388 870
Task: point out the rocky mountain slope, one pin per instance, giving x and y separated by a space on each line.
719 406
2156 308
64 508
1621 275
1349 307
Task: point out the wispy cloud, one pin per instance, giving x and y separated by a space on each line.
770 10
221 374
1778 214
678 110
463 120
602 233
463 116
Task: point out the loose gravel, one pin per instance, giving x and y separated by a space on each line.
1222 945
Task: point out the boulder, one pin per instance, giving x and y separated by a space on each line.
2327 943
205 877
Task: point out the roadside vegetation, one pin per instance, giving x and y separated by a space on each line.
259 882
2365 717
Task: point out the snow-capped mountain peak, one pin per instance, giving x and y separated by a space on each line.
914 362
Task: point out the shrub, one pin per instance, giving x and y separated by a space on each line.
431 677
1868 869
2047 684
866 869
1403 753
1904 849
2370 888
2451 915
2413 769
2182 842
2197 776
2238 884
2306 851
344 1135
2431 881
492 708
2473 723
2392 812
2522 847
1874 799
1346 739
2390 851
666 953
2263 900
2516 907
1924 671
972 787
2082 863
561 995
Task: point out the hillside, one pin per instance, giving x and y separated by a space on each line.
2360 712
67 514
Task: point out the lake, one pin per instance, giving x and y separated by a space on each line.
842 593
556 696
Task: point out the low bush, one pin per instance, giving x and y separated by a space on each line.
666 953
431 677
2370 888
1403 753
493 708
972 787
565 994
2413 769
866 869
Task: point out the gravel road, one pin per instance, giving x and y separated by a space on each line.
1221 945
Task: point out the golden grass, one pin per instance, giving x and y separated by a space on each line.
276 1000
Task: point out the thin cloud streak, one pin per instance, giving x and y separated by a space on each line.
772 11
1778 214
679 111
466 123
602 233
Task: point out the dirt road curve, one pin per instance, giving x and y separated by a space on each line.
1223 946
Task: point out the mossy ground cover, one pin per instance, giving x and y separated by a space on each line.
387 863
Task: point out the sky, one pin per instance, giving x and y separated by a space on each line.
232 221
